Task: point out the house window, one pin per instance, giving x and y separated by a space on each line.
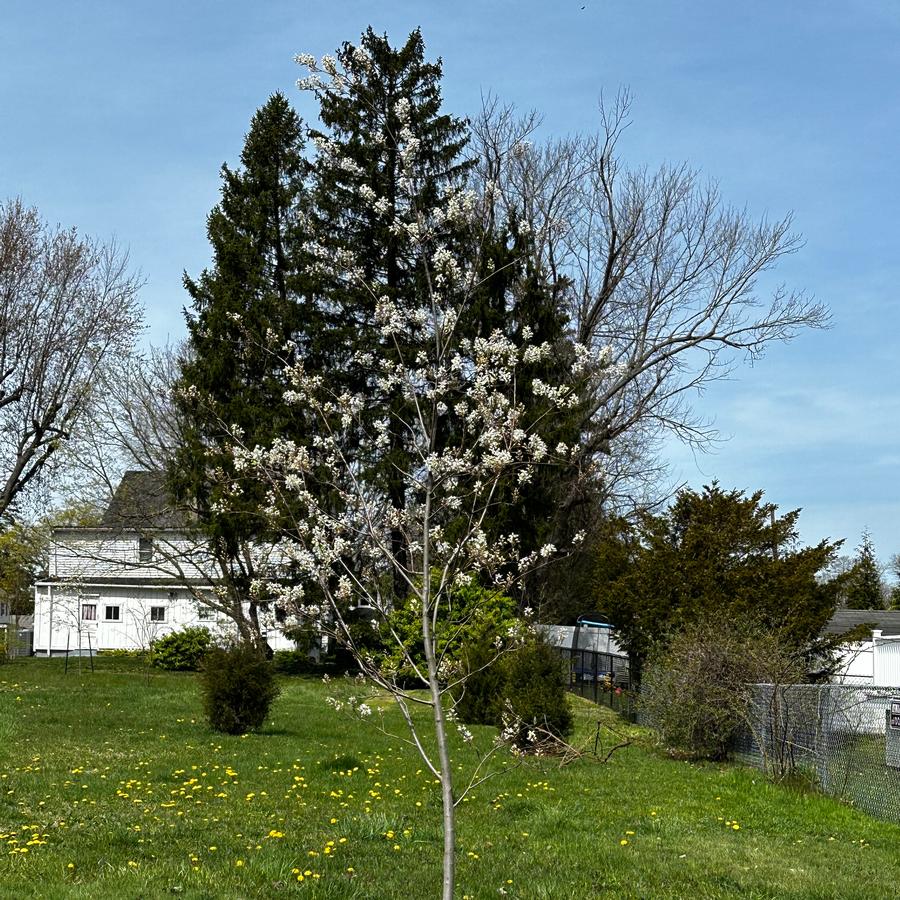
145 549
4 610
112 614
88 612
205 614
157 614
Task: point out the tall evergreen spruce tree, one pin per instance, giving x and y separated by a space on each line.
244 309
865 589
360 158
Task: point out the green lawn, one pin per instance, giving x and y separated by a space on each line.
116 789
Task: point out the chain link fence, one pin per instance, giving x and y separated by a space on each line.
844 737
15 641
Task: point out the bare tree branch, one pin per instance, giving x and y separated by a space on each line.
68 308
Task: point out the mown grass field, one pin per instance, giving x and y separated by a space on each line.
115 787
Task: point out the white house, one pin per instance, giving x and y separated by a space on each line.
875 658
137 576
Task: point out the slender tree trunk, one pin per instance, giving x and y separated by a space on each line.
396 487
448 808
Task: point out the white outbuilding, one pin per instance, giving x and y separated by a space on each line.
143 572
874 656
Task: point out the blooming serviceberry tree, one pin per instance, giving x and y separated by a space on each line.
455 402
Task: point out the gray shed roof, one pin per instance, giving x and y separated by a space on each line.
142 502
888 620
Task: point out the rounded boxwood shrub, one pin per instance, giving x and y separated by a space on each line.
238 687
181 651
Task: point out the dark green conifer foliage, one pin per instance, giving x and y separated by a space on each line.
238 687
721 554
363 128
244 309
864 588
522 300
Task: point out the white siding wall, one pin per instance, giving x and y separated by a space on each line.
856 664
85 563
874 662
887 660
134 628
89 554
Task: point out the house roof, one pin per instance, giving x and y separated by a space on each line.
888 620
142 502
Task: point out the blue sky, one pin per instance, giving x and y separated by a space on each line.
117 116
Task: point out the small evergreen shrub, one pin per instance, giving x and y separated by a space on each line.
535 709
294 662
522 692
181 651
479 698
238 687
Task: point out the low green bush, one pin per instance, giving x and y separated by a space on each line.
181 651
479 697
697 689
294 662
523 692
238 687
535 700
472 616
122 654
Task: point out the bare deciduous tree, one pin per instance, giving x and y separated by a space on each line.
131 423
68 306
652 265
